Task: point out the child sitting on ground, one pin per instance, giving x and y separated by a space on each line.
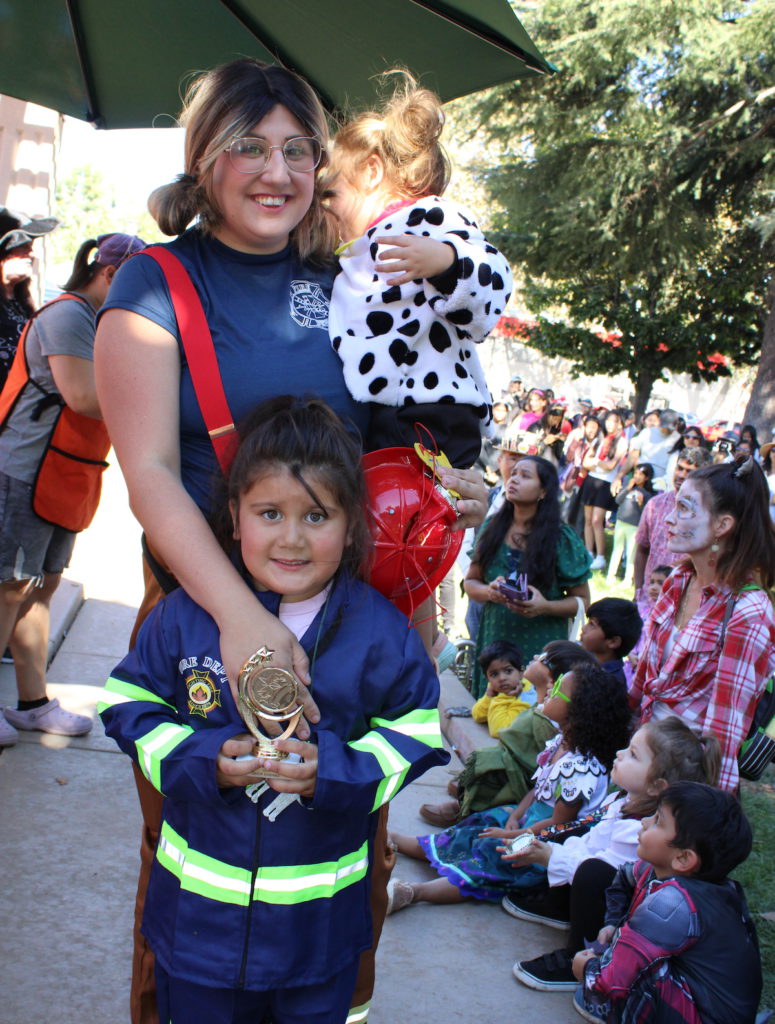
407 341
682 942
580 870
509 692
612 629
590 707
503 774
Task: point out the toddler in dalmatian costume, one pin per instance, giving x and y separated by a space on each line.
419 285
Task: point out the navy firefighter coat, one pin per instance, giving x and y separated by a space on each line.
236 899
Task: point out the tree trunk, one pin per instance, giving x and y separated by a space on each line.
760 410
644 382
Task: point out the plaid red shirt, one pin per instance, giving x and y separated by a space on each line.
709 685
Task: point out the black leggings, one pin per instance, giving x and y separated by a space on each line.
587 901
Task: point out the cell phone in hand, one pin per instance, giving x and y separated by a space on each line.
514 589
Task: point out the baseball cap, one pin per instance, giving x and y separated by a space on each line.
17 229
113 249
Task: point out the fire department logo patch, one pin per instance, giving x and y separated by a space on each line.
309 305
203 695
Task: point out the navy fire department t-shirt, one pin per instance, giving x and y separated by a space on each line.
268 316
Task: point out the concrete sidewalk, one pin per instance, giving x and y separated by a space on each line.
70 831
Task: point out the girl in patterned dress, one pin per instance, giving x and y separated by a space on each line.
571 781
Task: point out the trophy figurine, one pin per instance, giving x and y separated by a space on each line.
270 694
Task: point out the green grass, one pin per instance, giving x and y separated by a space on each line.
757 874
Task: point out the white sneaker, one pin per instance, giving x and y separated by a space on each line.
8 735
598 563
51 718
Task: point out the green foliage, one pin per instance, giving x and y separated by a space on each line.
624 185
86 206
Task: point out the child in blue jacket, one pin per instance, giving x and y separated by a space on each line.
258 902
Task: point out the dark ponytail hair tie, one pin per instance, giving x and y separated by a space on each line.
185 179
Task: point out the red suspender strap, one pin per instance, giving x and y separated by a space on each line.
200 354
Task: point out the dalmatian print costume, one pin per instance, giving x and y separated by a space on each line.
414 343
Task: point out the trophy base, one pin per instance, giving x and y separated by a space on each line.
270 753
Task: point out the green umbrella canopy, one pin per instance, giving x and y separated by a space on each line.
122 63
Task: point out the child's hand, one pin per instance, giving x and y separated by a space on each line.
538 853
512 689
230 773
605 935
580 961
414 257
297 777
497 833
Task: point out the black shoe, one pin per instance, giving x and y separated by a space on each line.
532 907
551 972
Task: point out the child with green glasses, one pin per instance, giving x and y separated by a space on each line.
571 781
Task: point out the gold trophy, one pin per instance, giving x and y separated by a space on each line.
269 694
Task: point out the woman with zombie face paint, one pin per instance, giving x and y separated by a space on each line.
710 639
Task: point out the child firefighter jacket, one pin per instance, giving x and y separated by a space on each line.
237 900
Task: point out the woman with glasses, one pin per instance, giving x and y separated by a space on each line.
260 258
526 538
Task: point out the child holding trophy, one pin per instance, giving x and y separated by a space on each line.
259 897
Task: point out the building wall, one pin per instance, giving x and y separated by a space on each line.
29 142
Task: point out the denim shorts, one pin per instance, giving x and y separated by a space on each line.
29 546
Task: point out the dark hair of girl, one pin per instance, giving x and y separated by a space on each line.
560 656
648 471
83 271
306 437
739 489
678 753
540 555
599 718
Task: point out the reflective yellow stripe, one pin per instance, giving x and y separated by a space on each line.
156 745
422 725
394 766
216 880
359 1014
196 872
302 882
117 691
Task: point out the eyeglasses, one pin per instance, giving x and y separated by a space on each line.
556 690
250 156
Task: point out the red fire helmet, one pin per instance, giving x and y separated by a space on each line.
410 517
